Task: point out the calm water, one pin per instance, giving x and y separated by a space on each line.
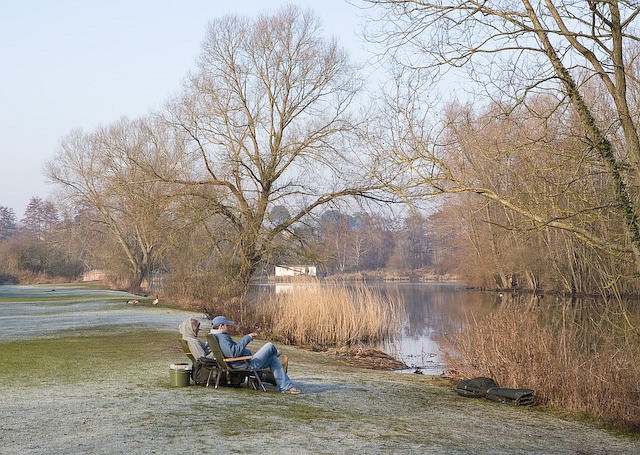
432 311
435 310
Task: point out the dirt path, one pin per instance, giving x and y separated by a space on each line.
124 403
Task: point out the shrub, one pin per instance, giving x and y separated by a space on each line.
330 315
578 358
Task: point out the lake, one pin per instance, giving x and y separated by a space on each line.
436 310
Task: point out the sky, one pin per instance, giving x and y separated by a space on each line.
77 64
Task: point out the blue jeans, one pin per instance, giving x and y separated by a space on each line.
266 358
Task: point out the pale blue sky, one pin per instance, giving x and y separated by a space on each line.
70 64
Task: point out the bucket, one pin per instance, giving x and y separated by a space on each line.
179 374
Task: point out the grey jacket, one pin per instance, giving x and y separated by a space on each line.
199 348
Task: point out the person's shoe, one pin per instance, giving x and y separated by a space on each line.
278 352
292 391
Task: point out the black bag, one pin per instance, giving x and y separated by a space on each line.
515 397
204 371
236 380
487 388
476 387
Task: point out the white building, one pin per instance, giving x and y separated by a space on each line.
295 270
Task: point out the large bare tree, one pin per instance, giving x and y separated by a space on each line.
267 116
580 53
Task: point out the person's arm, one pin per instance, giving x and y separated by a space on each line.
232 349
199 348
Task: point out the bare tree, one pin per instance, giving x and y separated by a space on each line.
580 53
268 123
554 177
411 246
93 170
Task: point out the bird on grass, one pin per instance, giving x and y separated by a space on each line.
132 302
155 302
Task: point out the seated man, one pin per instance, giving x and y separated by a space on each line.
266 357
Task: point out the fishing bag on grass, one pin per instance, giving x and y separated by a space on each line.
476 387
515 397
205 371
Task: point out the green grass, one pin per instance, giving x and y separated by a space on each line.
87 356
113 368
100 354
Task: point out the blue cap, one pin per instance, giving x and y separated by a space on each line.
219 320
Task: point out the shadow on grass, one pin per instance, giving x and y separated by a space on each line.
320 385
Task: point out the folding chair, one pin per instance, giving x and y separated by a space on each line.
210 363
187 351
245 370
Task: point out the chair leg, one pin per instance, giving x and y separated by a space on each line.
257 376
220 372
209 377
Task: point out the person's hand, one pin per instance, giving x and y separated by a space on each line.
253 335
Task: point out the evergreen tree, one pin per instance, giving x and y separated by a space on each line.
8 223
39 218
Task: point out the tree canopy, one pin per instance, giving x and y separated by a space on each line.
560 64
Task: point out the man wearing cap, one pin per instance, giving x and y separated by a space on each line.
266 357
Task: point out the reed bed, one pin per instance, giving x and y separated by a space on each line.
575 359
328 315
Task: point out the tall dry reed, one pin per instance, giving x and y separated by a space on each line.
331 315
576 359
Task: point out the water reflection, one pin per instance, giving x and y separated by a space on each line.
435 310
432 311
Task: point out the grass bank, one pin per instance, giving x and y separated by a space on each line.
106 390
91 375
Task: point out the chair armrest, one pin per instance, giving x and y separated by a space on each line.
235 359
